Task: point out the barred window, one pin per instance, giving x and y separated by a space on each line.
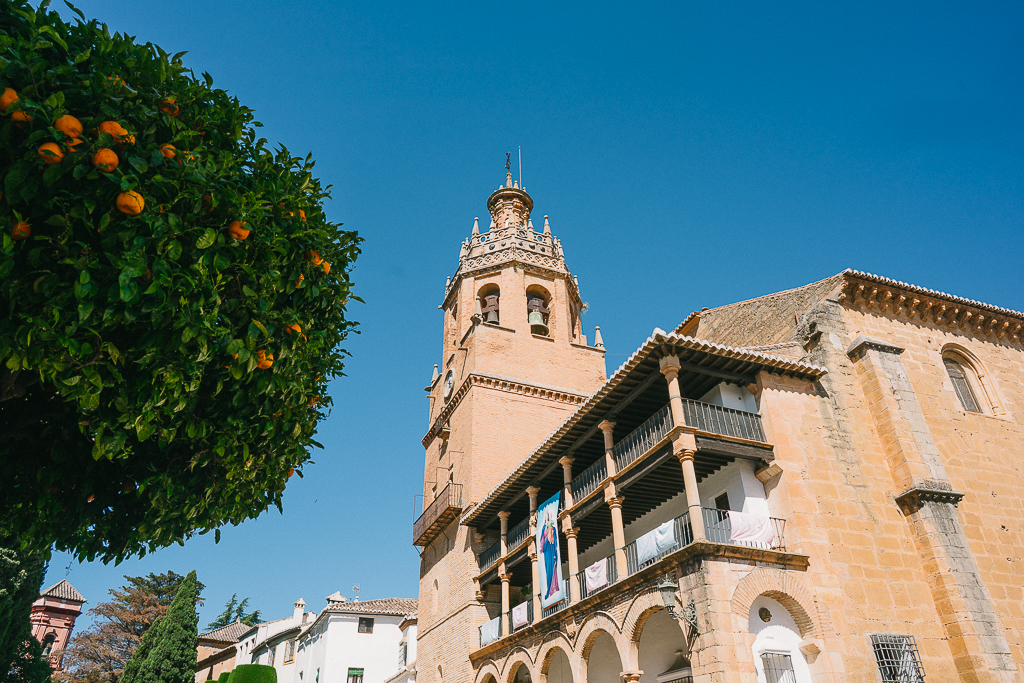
961 385
355 676
778 667
402 653
271 654
289 650
898 659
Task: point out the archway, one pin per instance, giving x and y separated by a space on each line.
776 649
604 665
662 650
520 673
558 668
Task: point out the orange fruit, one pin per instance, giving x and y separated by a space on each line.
208 202
293 329
20 231
299 281
69 125
7 99
169 107
302 215
291 471
238 230
313 257
105 159
115 80
113 128
90 499
168 151
327 267
21 116
73 144
264 360
51 152
130 203
126 139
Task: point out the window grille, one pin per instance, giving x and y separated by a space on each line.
355 676
271 654
961 385
289 650
898 659
365 625
778 668
402 653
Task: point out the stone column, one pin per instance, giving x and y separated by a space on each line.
532 491
686 456
609 442
618 532
503 517
566 462
631 676
669 366
574 561
536 579
505 607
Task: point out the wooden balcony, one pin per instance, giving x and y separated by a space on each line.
441 512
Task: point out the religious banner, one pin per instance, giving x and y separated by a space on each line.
552 588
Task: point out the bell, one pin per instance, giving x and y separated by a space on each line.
492 316
537 326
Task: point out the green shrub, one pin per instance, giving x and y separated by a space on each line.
224 676
254 673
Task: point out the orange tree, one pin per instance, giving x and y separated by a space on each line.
172 297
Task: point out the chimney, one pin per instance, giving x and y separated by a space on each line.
300 607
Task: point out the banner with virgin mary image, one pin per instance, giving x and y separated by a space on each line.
549 555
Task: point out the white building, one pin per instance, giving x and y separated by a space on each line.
358 642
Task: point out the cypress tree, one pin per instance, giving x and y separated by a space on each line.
131 669
172 658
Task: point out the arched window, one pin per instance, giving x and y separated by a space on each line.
961 385
48 644
538 312
970 381
489 297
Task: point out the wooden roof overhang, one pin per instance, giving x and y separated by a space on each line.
633 394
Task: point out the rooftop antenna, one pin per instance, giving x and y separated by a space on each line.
521 186
355 589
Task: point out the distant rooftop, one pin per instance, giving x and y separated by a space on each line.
396 606
231 633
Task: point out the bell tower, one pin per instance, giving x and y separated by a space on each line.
515 364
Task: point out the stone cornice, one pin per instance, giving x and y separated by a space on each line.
874 293
912 500
522 252
498 383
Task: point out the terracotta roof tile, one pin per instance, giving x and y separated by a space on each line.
63 591
397 606
227 634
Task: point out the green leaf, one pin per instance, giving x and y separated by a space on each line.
207 239
248 291
57 221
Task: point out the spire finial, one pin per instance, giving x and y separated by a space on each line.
476 226
508 169
547 226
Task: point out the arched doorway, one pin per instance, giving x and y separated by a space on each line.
662 650
604 664
558 669
777 656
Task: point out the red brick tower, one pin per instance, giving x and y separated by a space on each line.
515 363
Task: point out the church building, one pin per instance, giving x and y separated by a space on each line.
821 484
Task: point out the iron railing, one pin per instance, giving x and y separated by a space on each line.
724 421
584 593
643 438
683 537
558 606
588 480
440 511
490 631
489 556
518 533
718 529
529 616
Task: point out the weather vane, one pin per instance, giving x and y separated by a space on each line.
508 161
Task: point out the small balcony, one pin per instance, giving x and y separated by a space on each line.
725 421
438 515
490 631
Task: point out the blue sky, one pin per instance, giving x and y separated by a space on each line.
689 155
